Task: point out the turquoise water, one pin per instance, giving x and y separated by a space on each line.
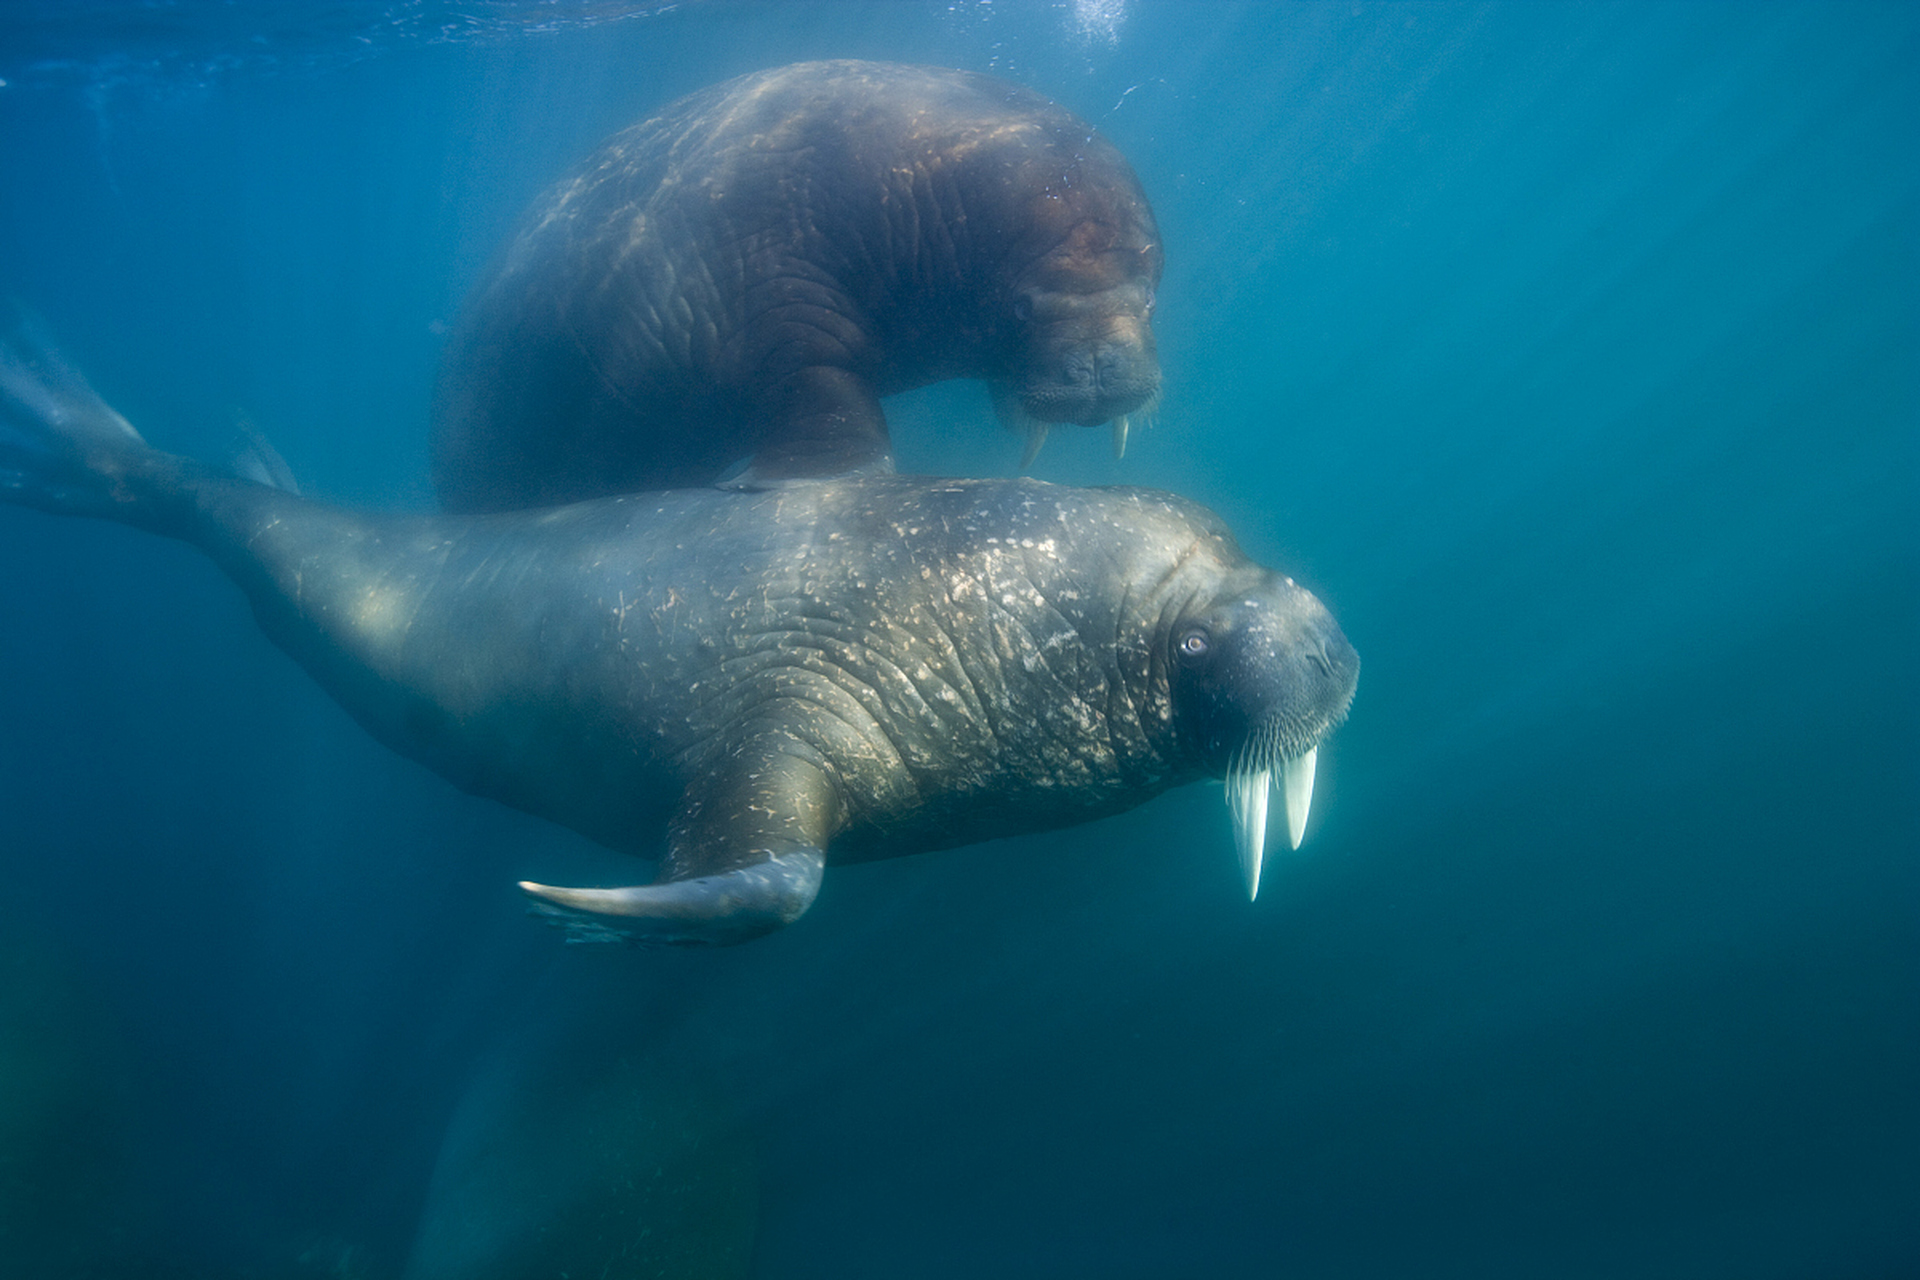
1567 351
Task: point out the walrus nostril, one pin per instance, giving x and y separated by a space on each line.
1112 366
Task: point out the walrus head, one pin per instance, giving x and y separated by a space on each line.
1260 673
1081 318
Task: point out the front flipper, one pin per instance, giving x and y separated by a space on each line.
707 910
744 857
819 422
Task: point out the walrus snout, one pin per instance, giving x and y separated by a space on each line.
1266 662
1108 370
1117 378
1089 357
1259 679
1092 379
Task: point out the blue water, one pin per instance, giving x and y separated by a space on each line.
1568 351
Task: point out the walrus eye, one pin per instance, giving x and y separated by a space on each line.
1023 308
1194 646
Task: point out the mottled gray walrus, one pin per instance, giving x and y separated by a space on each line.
746 272
826 670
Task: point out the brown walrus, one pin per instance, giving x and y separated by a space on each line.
744 274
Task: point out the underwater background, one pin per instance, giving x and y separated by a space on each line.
1567 351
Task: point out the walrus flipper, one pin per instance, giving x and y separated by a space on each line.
735 906
57 436
745 856
823 422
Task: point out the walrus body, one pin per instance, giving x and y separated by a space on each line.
828 670
744 274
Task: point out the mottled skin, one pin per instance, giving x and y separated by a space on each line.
840 669
745 274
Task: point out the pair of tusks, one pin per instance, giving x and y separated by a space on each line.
1247 792
1037 436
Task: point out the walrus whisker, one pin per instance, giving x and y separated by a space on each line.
1148 414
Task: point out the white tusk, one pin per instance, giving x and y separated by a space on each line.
1036 436
1296 793
1120 436
1247 801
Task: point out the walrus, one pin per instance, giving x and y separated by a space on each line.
741 276
828 670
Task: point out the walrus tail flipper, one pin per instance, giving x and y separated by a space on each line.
58 438
255 459
734 906
66 451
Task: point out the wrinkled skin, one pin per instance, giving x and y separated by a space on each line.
747 685
744 274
